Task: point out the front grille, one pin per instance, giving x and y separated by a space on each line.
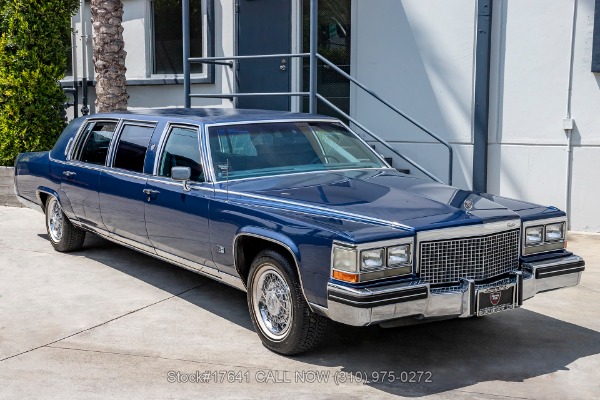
474 258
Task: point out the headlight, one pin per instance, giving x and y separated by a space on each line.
371 259
534 235
398 255
555 232
344 259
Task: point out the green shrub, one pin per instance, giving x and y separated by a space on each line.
34 44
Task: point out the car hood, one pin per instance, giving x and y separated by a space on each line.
381 195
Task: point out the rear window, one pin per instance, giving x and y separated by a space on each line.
95 143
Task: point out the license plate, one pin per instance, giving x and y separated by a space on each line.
496 299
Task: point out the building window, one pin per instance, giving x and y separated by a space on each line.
167 36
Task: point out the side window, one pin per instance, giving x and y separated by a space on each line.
182 150
131 150
95 142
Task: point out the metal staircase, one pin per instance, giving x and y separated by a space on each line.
312 94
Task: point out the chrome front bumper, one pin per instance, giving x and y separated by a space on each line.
364 306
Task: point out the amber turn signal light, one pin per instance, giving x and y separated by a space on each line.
345 276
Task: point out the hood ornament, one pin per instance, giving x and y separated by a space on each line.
468 204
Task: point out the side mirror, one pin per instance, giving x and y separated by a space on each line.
182 174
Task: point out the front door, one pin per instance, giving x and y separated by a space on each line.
264 27
177 219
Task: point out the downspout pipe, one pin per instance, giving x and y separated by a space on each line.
185 19
568 123
85 110
481 112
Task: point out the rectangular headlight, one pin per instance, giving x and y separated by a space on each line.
555 232
371 259
345 259
398 256
533 235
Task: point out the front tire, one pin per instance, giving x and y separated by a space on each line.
280 314
63 235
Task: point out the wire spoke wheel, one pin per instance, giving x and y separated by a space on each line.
55 220
272 303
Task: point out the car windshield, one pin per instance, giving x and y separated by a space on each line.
275 148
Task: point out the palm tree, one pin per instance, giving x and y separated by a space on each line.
109 55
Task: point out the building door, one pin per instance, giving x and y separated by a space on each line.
264 27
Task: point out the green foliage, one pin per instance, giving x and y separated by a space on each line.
34 44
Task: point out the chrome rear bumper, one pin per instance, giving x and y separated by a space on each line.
364 306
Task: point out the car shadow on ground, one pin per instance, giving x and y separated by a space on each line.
451 354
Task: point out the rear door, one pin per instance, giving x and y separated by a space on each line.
122 186
81 173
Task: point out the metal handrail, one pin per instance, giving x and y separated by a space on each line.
374 136
395 109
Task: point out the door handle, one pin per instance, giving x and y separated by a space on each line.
69 174
150 192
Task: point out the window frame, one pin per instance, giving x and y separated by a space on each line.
208 46
80 137
117 139
163 144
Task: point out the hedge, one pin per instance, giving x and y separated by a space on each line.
34 45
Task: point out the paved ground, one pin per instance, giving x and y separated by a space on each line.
107 322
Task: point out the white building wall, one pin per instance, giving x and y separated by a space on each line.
529 149
419 56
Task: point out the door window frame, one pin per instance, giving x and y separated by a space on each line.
163 143
79 139
117 138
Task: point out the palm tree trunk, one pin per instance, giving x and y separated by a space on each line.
109 55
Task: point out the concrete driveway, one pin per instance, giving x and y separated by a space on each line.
108 322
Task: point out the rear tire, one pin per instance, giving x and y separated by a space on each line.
63 235
280 314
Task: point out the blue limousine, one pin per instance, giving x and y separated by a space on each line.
299 212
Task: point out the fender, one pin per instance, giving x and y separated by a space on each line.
275 237
63 200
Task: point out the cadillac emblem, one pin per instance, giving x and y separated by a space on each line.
468 204
495 298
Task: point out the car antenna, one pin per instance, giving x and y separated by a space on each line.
227 182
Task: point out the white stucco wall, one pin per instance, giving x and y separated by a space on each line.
419 56
528 149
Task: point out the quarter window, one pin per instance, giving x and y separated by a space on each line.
182 150
95 143
131 150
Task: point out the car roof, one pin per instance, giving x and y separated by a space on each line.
214 115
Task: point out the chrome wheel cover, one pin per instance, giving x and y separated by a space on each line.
54 218
272 302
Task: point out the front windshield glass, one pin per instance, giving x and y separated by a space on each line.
275 148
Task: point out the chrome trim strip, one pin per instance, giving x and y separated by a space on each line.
317 208
285 246
207 271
